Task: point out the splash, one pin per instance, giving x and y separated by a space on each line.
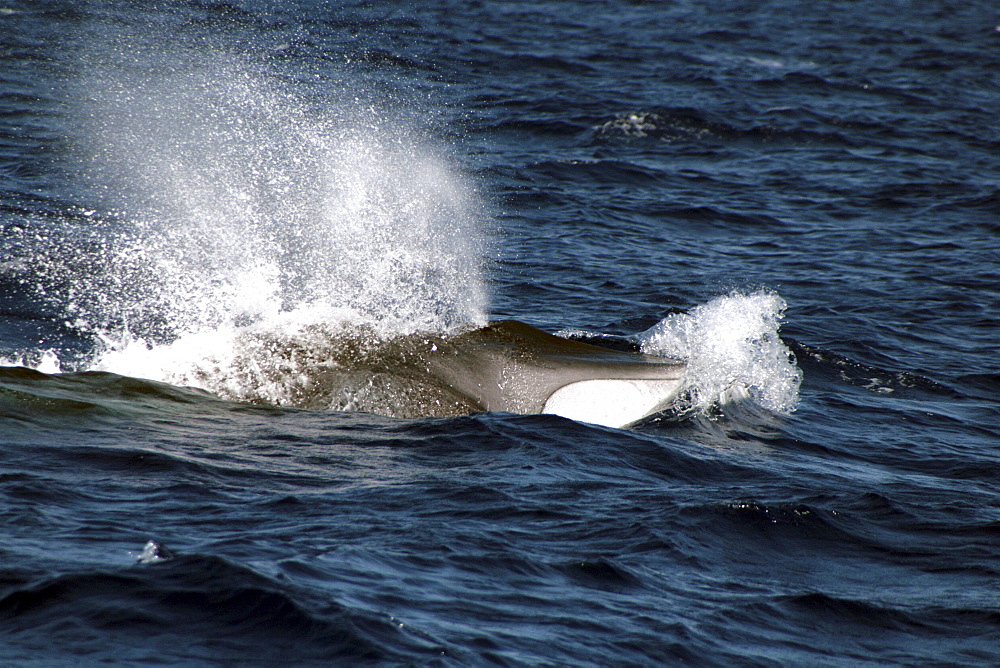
233 196
733 351
46 361
285 359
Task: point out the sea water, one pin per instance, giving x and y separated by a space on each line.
203 206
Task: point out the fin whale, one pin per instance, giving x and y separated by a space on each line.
513 367
505 366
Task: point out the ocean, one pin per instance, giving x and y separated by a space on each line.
288 291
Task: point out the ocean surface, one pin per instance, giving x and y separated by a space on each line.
231 232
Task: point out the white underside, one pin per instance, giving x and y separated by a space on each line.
611 403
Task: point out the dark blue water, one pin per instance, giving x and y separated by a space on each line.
198 200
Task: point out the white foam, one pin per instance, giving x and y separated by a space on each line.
251 362
46 361
732 349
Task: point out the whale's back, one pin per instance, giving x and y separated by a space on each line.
510 366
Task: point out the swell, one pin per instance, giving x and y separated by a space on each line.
33 396
192 608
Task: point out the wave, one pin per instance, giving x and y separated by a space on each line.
681 124
220 609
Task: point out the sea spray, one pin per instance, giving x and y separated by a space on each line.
224 199
277 360
732 349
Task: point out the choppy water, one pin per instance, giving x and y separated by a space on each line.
207 207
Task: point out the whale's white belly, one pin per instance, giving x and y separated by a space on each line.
611 402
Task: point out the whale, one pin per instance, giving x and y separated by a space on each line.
504 366
509 366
